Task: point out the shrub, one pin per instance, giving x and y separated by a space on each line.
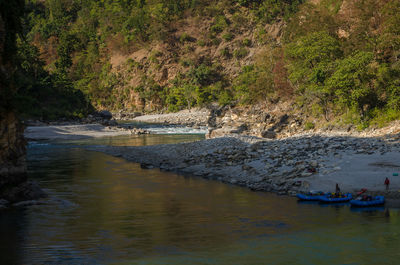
225 52
227 36
240 53
309 125
132 64
246 42
220 23
201 43
186 62
188 48
216 41
186 38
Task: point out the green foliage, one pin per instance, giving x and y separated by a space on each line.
220 23
44 95
382 117
351 82
180 97
132 64
311 56
225 52
268 10
75 37
341 65
201 43
186 38
202 84
150 91
356 77
312 60
240 53
186 62
309 125
204 75
239 20
215 41
255 83
246 42
228 36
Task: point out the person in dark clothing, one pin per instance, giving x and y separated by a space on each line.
337 192
387 182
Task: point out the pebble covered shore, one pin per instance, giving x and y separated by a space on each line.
285 166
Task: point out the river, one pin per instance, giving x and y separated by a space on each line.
105 210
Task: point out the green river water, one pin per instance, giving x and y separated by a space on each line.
105 210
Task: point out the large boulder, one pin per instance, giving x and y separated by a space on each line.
105 114
220 132
268 134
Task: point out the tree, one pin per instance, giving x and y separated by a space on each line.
352 82
311 61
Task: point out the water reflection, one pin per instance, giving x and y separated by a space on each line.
105 210
139 140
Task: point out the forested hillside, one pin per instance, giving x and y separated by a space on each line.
336 60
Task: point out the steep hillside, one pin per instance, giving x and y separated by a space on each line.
335 61
192 67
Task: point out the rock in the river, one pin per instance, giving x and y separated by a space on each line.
146 166
26 203
268 134
105 114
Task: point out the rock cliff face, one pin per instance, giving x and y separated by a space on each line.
13 179
12 151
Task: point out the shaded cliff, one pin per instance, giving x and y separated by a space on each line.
13 179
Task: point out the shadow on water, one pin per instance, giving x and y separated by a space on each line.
105 210
13 233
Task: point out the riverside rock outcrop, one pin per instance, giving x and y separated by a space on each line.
14 186
194 117
255 121
12 151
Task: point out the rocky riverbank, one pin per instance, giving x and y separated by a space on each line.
310 160
195 117
285 166
14 184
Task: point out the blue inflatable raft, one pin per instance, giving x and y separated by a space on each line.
329 198
377 200
311 196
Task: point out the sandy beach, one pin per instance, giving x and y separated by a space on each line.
72 132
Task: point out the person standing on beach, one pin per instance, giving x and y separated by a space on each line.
387 182
337 190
